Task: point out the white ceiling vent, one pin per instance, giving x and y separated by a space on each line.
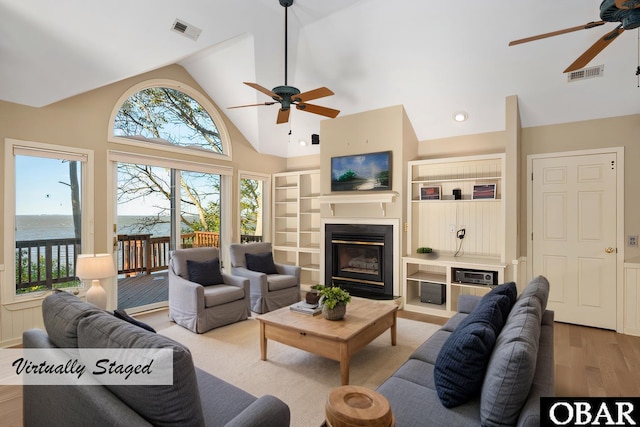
186 30
586 73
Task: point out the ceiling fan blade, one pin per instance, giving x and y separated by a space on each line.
316 109
557 33
627 4
594 50
264 90
320 92
283 115
253 105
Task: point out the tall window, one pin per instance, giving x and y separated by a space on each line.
252 207
166 117
48 217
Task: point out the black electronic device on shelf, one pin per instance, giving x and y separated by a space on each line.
475 277
433 293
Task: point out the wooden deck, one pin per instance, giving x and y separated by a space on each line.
143 289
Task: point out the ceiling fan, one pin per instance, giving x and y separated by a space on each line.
286 95
626 12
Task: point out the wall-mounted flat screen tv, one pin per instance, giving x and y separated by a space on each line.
361 172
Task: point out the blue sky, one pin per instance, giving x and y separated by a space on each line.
42 189
38 187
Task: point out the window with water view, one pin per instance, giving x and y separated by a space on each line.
48 221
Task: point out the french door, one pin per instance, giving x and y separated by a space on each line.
162 205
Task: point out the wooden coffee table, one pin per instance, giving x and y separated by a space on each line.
337 340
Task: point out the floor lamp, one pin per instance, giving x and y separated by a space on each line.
95 267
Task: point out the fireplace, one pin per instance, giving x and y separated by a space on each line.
359 258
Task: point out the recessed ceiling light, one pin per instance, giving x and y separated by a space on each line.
303 142
460 116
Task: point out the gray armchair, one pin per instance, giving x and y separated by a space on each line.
277 287
201 308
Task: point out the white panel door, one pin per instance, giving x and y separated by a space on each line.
574 236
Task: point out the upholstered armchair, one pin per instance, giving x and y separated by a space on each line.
272 285
201 297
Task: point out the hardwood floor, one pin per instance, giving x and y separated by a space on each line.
589 362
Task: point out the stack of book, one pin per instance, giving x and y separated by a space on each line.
306 308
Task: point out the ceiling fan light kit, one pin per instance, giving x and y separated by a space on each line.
287 95
625 12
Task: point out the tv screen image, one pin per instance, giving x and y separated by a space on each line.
361 172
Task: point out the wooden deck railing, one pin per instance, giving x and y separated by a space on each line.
141 253
45 262
48 261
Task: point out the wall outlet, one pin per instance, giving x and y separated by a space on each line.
452 228
632 241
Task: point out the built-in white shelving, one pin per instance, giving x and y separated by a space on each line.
296 222
434 221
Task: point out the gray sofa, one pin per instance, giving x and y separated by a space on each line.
519 369
195 398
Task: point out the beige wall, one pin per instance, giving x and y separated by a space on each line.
82 122
302 163
369 132
482 143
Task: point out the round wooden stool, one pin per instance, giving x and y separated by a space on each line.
350 405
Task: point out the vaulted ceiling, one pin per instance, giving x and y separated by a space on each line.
434 58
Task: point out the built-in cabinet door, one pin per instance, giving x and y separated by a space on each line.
574 236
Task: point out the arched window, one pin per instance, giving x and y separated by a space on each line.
171 116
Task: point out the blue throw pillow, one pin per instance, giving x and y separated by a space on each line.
508 289
511 292
462 361
121 314
492 310
262 263
205 273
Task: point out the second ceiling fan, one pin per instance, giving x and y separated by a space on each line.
626 12
287 95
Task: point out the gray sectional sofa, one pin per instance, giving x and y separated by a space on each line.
196 398
518 367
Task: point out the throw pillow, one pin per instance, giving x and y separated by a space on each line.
511 292
121 314
462 362
205 273
492 310
539 288
262 263
61 313
512 365
508 289
160 405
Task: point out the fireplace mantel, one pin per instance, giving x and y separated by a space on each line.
352 198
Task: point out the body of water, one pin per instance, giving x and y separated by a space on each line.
35 227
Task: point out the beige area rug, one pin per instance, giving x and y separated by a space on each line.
302 380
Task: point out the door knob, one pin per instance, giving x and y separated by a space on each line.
609 250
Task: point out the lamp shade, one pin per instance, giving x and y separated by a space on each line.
95 266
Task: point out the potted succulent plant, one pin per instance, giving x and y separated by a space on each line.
334 302
313 295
